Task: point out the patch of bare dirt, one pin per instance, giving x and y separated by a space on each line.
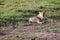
31 33
39 32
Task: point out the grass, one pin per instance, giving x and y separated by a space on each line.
23 9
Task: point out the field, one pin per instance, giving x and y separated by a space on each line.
21 10
15 13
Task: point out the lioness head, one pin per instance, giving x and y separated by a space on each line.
41 15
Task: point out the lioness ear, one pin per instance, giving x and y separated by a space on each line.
41 12
44 13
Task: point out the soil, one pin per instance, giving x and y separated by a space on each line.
33 32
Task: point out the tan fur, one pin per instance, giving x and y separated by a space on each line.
40 15
40 18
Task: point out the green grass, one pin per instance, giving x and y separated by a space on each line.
19 9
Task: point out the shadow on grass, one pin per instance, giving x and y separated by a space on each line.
30 11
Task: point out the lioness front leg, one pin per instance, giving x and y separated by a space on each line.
39 22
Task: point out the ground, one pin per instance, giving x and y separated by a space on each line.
34 32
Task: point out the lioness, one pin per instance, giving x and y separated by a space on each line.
40 18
